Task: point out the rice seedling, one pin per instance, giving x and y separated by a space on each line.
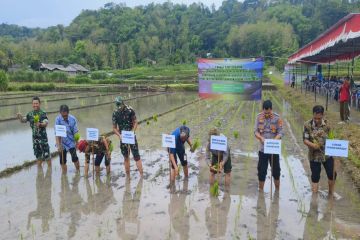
218 123
155 118
236 134
331 134
99 232
184 122
215 167
111 147
36 118
147 122
77 137
214 189
33 231
196 144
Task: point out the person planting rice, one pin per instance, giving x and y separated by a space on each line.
218 161
182 135
38 122
268 125
316 131
101 148
124 118
68 143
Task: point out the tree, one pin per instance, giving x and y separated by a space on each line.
4 82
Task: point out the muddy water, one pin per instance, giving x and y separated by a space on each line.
16 137
42 204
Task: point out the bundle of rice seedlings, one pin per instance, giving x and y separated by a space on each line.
331 135
36 118
196 144
214 189
184 122
111 147
77 137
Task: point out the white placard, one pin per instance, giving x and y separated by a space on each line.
218 143
272 146
168 141
60 131
337 148
127 137
92 134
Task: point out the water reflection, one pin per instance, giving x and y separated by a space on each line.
216 215
128 225
267 222
99 201
44 210
70 202
179 213
318 224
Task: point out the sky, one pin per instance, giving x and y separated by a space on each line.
44 13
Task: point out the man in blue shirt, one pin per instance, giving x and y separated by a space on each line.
68 143
182 135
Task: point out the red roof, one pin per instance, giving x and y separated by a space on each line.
341 42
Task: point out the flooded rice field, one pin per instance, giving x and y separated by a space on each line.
16 137
41 203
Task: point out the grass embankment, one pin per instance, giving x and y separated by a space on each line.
173 77
350 131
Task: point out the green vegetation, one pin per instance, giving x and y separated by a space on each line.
120 37
77 137
196 144
236 134
111 147
155 117
331 134
214 189
36 118
4 82
184 122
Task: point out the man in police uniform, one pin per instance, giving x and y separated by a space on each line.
315 133
124 118
38 122
268 126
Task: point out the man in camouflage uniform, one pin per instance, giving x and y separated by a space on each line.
124 118
315 133
38 122
268 126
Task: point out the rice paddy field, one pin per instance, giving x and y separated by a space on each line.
42 203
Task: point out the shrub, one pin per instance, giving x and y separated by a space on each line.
4 81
